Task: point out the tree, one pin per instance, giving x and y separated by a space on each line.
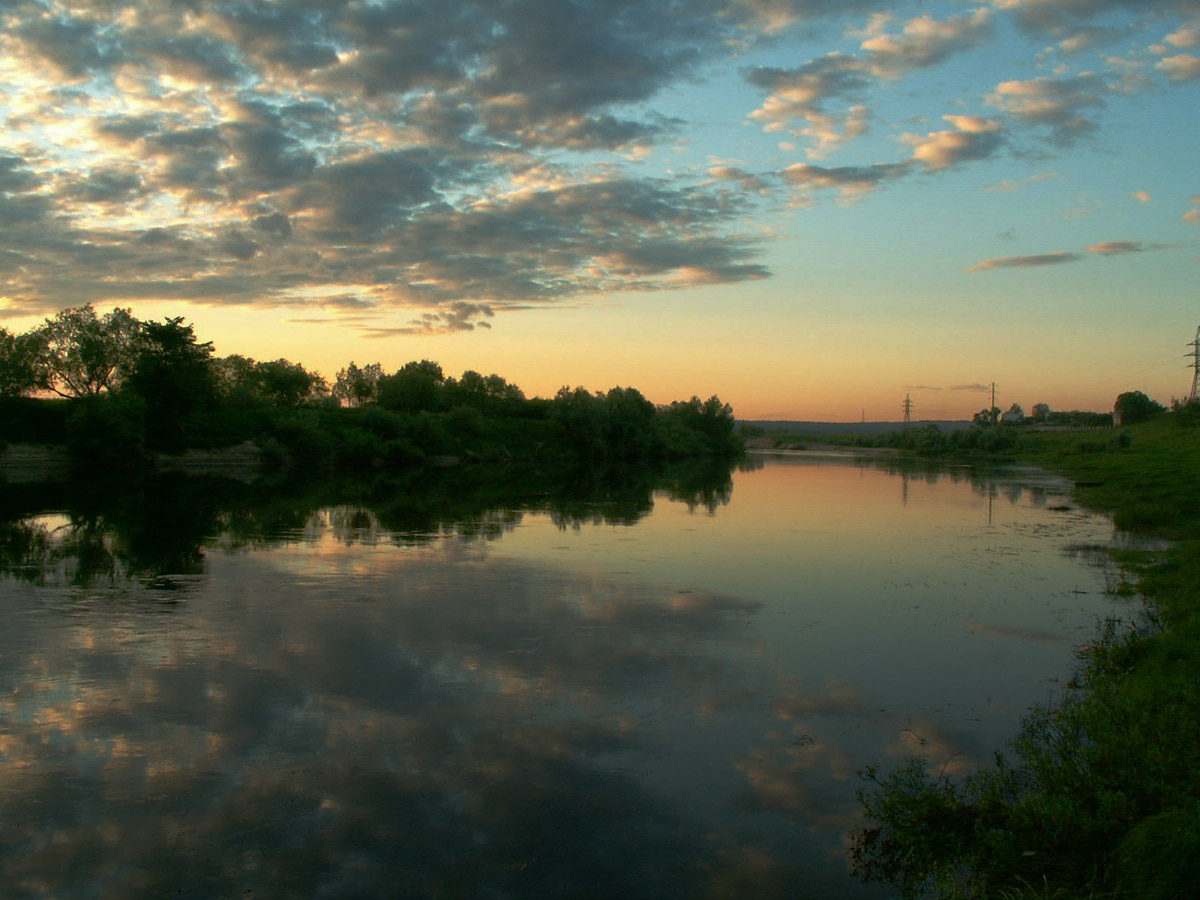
710 421
172 373
85 354
1015 410
629 423
1134 406
284 383
483 391
234 377
23 367
281 382
583 418
1041 412
987 416
415 387
357 387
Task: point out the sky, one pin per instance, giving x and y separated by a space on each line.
810 208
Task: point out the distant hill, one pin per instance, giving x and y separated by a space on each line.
790 427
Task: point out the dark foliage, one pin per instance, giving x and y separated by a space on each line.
145 388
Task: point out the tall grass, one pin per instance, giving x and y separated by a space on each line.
1099 795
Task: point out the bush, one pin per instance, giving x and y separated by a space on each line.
358 447
305 443
1160 857
107 430
379 421
24 420
401 452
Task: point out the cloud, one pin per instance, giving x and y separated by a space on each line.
74 46
1057 104
15 176
445 159
362 194
1085 38
1141 196
1022 262
1119 248
973 138
384 152
1187 36
460 316
799 96
1180 67
925 41
1058 17
747 180
1193 215
1008 185
773 16
849 181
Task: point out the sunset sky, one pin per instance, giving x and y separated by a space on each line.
808 207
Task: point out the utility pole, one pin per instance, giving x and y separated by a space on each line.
992 408
907 409
1195 366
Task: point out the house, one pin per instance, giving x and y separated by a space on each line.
1013 417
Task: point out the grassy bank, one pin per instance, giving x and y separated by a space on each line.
1099 796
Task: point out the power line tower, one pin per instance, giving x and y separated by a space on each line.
908 407
1195 366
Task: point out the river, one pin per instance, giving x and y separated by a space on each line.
665 692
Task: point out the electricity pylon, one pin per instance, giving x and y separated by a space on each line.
908 404
1195 366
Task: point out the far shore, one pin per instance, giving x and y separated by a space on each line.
768 443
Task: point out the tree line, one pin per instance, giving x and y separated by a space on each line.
1129 408
115 390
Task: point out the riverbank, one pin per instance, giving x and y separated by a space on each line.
1099 796
792 444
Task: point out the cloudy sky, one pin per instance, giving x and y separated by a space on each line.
809 207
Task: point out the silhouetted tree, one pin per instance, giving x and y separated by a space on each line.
710 418
1134 406
358 386
173 375
987 416
23 366
415 387
1041 412
86 354
284 383
583 417
489 392
629 423
234 377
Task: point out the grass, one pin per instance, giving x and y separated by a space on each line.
1099 796
1144 475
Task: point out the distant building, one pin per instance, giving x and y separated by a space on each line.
1013 417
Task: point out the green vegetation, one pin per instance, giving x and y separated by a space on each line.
131 390
1099 795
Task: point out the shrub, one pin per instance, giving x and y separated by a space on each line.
107 430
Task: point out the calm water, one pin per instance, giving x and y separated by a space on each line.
440 695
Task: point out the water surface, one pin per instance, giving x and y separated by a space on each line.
651 693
